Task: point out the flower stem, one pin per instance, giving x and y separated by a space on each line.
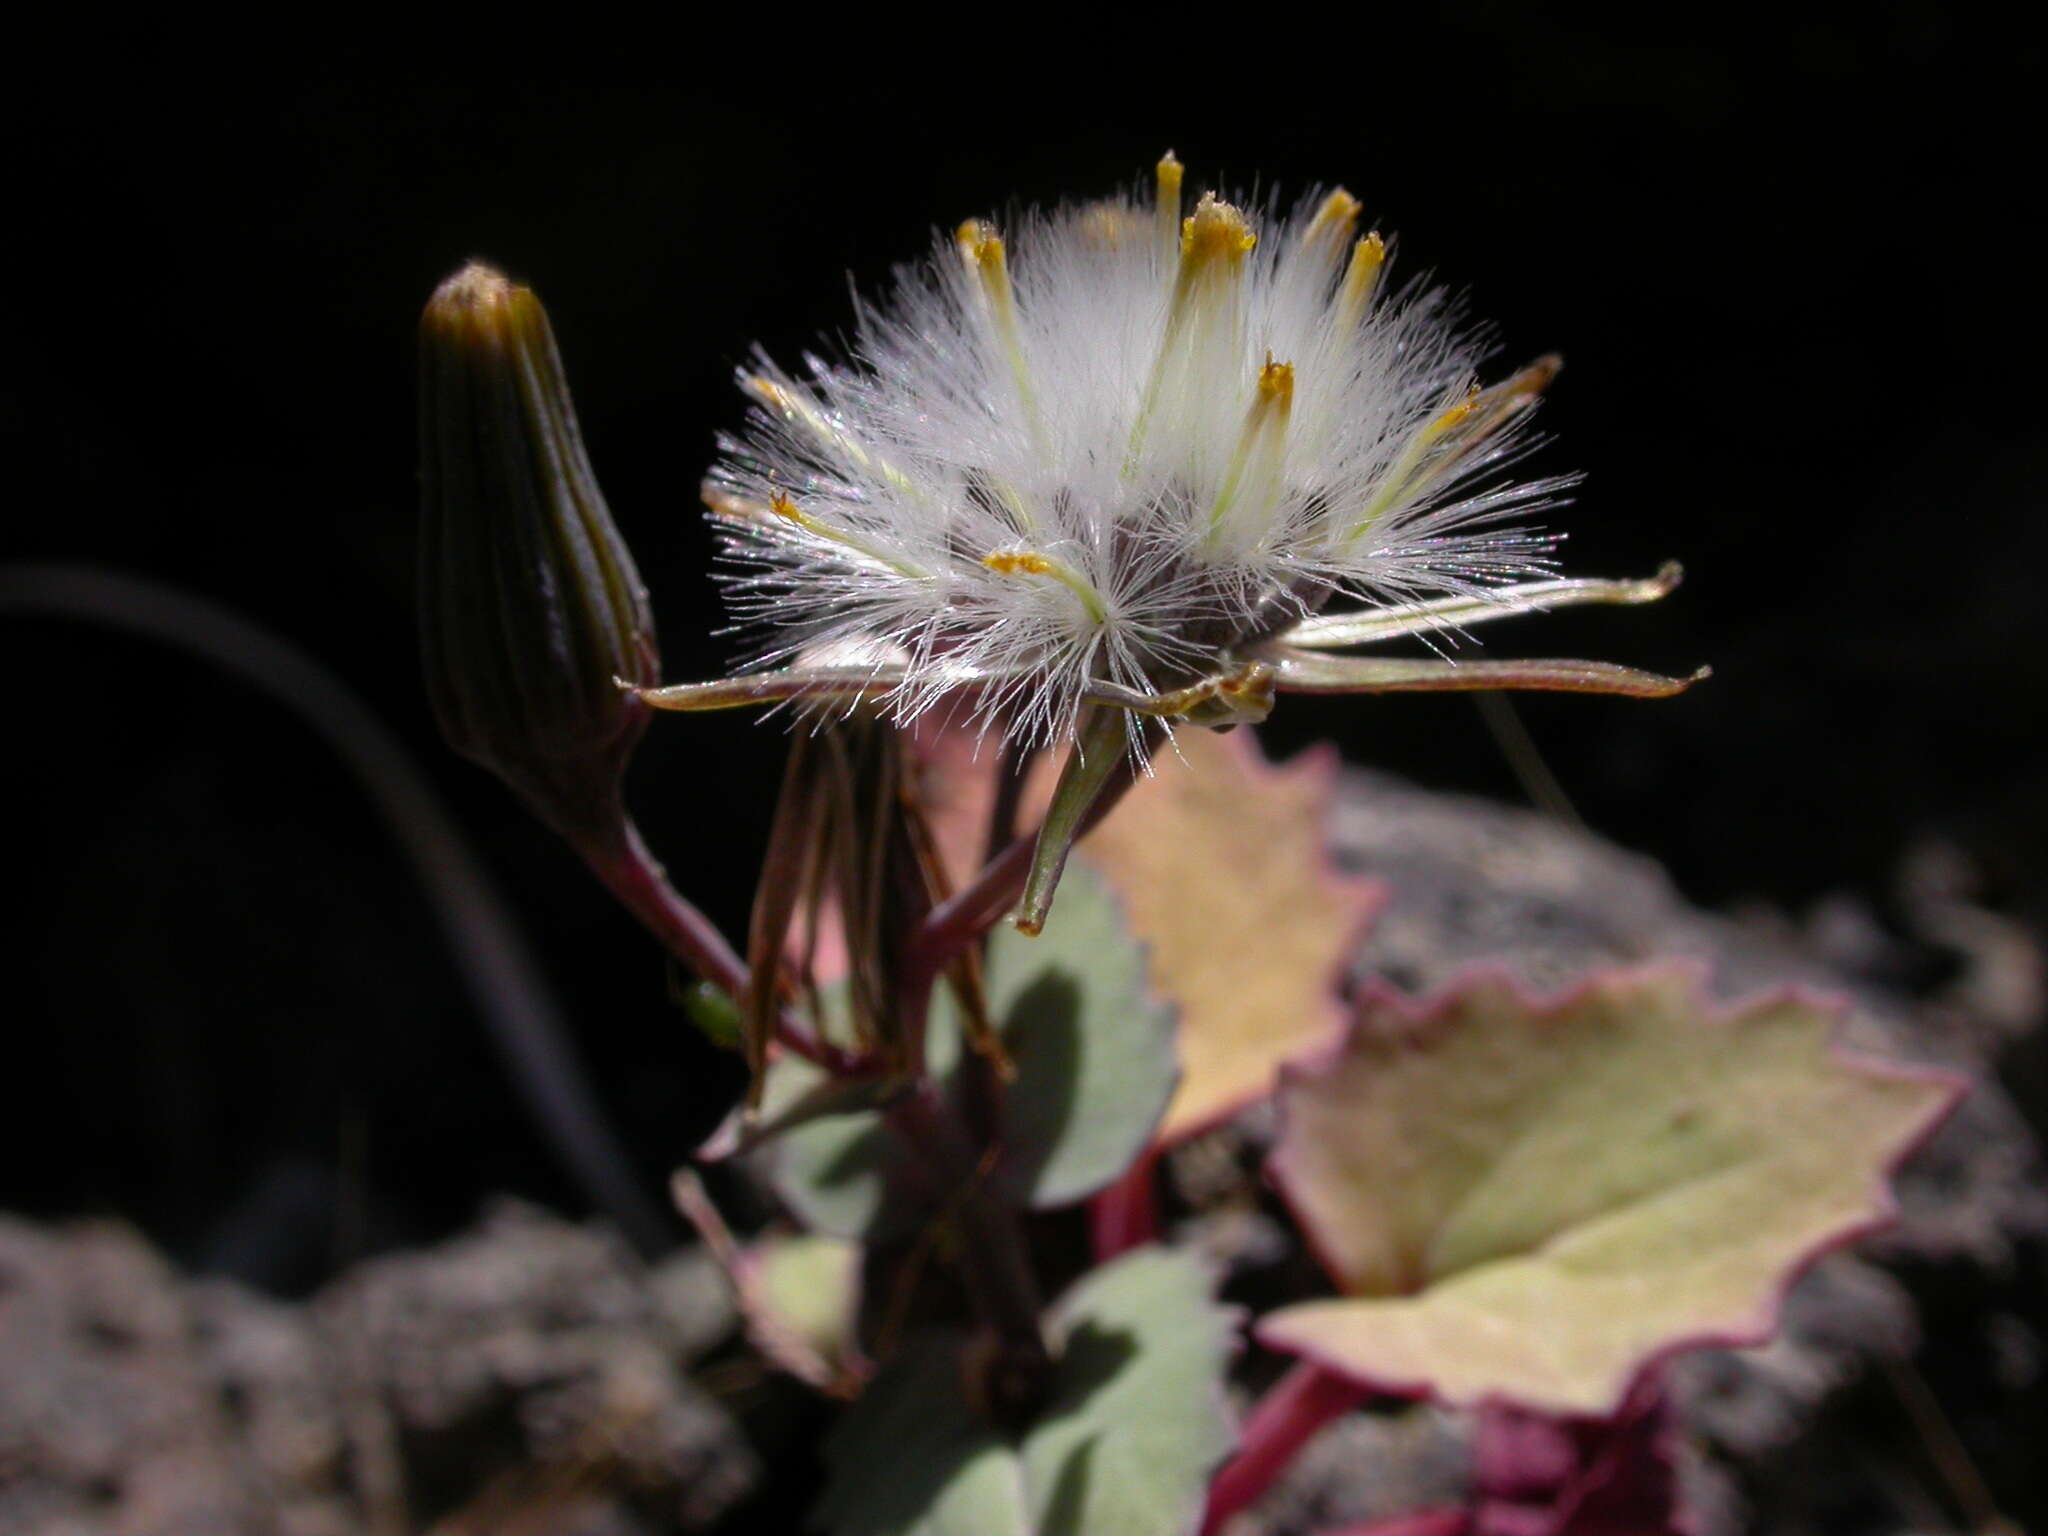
993 1258
1286 1418
1126 1215
621 859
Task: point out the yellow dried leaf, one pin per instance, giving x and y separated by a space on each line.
1222 862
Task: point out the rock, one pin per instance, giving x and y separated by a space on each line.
530 1375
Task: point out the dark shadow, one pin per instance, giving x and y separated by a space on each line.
1069 1494
1093 1358
1042 1033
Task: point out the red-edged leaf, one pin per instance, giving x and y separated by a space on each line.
1527 1202
1223 864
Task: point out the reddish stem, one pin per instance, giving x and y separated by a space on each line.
631 873
1126 1215
1446 1521
1285 1420
992 1251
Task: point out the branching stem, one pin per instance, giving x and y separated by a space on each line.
1285 1420
621 860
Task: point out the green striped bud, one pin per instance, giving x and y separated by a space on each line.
532 616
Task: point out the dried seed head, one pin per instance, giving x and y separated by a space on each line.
1070 462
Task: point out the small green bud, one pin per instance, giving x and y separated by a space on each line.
531 612
711 1008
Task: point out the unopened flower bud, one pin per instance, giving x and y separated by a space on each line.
531 612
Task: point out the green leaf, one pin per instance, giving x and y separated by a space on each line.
1134 1425
1095 1068
842 1175
1138 1419
912 1457
1529 1202
1093 1049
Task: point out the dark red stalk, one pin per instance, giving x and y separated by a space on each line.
1285 1420
1447 1521
992 1252
632 874
1126 1215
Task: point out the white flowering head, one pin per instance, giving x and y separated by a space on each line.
1118 463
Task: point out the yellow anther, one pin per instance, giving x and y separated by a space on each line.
1276 382
1203 313
1215 231
1447 441
1029 562
1333 223
983 251
1167 217
794 406
1451 418
968 240
1454 436
1256 473
1361 278
1010 562
781 504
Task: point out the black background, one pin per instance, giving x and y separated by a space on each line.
1788 262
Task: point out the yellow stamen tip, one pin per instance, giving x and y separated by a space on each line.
1455 414
978 242
1276 381
1334 219
1166 207
1215 231
1360 279
1012 562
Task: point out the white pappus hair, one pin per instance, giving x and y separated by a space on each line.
1110 449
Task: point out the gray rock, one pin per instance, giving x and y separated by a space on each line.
527 1377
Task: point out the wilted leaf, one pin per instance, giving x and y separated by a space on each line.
1126 1443
1528 1202
1223 865
1094 1059
801 1297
